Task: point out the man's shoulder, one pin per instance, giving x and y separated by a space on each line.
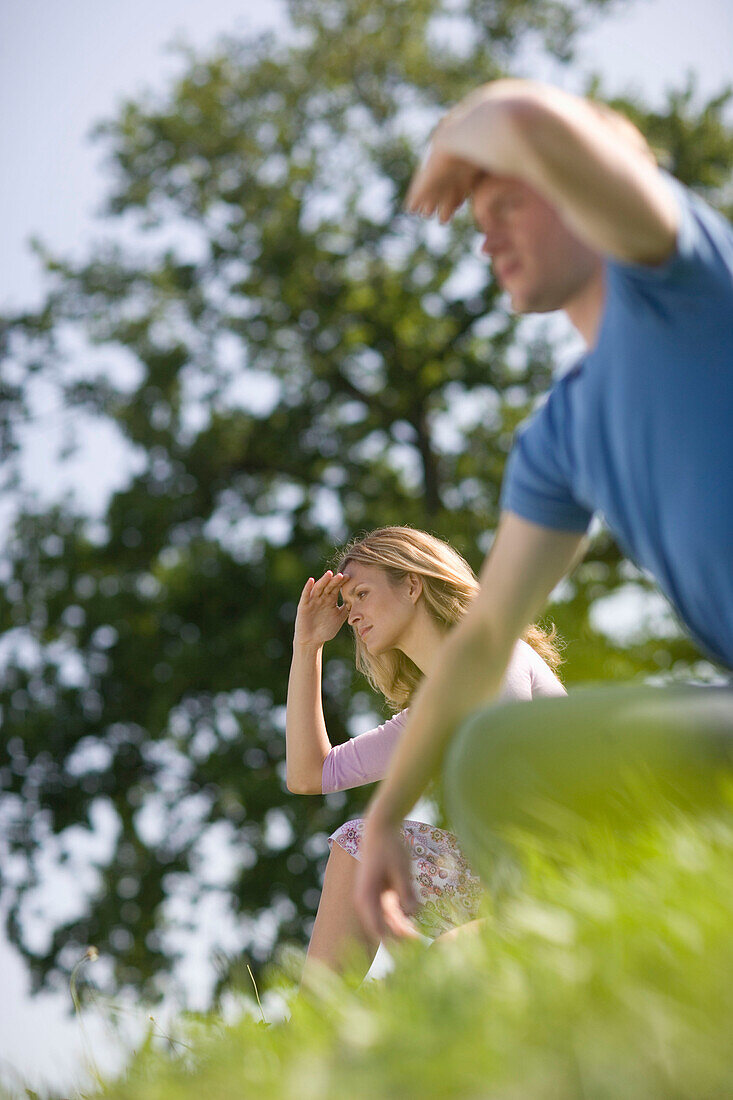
558 399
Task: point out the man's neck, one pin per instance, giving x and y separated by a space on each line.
585 309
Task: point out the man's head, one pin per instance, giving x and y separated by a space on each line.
536 259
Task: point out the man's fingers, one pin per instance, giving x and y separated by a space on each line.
411 198
395 921
445 211
383 918
440 185
407 895
419 191
417 199
383 909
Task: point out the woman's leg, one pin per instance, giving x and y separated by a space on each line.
338 938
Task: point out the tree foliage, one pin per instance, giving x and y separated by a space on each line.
290 360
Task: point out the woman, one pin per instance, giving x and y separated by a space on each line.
401 591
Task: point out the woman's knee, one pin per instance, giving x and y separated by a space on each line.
340 864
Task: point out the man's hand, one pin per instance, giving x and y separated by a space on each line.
459 154
384 895
441 185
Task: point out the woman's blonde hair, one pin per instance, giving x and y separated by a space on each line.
448 587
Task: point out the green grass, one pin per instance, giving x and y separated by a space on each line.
607 973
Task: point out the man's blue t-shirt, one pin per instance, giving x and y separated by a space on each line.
641 429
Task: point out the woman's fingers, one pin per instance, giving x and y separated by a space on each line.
321 583
307 587
328 585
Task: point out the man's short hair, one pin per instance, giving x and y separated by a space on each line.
623 126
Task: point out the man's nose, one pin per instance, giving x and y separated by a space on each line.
491 245
495 235
491 224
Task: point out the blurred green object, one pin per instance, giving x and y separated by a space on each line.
607 754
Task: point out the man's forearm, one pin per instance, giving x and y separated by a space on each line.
485 129
603 182
470 672
520 129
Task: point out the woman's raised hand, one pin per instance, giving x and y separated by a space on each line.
320 616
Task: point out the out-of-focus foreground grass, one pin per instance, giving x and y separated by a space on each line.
606 973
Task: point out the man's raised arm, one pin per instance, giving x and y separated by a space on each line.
595 169
525 564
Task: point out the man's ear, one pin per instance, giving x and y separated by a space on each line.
414 586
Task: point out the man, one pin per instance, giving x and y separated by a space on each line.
577 216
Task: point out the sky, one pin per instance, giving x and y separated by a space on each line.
66 64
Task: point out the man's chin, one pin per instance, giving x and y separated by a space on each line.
523 302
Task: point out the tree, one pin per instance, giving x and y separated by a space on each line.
303 362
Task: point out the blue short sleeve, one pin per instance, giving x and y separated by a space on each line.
537 483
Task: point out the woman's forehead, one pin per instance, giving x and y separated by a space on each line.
358 572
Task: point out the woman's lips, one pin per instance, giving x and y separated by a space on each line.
364 631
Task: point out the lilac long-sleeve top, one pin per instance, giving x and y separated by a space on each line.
365 759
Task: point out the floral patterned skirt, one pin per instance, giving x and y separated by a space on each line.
446 887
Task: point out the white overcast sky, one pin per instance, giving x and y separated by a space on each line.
66 64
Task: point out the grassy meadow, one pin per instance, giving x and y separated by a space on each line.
604 973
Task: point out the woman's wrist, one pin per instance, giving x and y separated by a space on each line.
302 646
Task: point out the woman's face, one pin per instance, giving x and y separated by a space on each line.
380 612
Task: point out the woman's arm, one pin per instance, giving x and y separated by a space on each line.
306 740
307 745
363 759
